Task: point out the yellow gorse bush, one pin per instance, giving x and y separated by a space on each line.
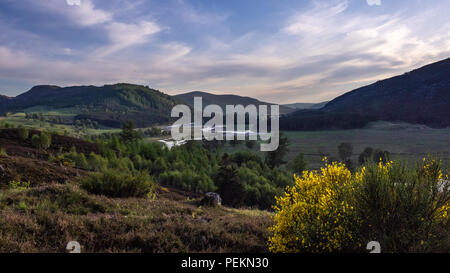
321 212
316 214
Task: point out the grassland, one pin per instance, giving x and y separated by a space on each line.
18 119
47 217
403 141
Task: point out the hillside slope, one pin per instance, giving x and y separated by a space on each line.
300 105
110 105
53 209
421 96
223 100
3 98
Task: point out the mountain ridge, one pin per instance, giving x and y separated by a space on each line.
110 105
421 96
304 105
226 99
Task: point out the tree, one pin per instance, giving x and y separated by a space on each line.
23 133
43 141
366 155
159 166
298 165
275 158
345 151
230 187
35 140
129 134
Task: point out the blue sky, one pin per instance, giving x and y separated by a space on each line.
281 51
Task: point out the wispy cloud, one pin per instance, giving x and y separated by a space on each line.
374 2
312 52
122 35
86 14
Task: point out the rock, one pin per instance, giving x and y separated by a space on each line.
211 199
442 184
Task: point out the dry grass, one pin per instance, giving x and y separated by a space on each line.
46 218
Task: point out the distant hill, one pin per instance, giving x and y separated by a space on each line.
109 105
223 100
300 106
421 96
4 98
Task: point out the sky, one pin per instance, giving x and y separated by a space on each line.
281 51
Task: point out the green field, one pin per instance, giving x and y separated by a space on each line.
403 141
410 142
19 119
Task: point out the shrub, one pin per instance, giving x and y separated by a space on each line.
381 156
298 165
97 162
79 159
3 152
5 125
159 166
19 185
42 142
403 208
316 214
123 163
114 183
45 140
188 180
23 133
35 140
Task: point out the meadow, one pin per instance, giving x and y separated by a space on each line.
403 141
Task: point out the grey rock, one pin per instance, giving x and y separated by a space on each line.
211 199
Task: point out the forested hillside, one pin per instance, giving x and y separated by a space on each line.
421 96
109 105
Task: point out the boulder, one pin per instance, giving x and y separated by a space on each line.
211 199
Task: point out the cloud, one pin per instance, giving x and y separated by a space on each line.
311 22
374 2
73 2
86 14
311 54
122 35
83 13
119 34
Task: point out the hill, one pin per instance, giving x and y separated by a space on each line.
44 200
4 98
109 105
223 100
300 105
421 96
